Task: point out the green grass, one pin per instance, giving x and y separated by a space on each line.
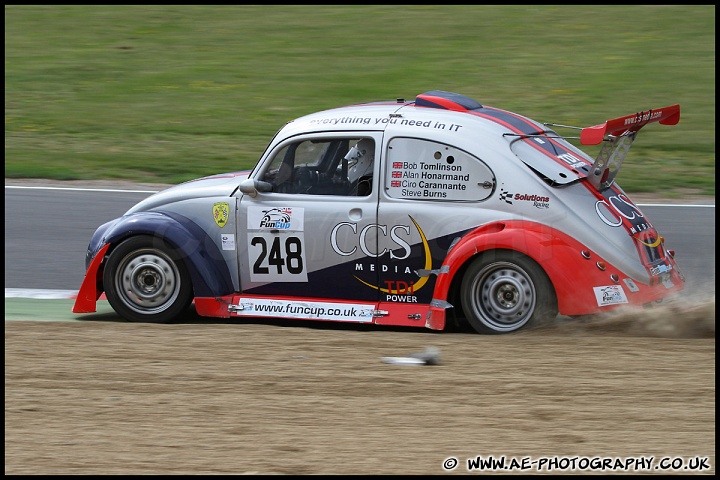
170 93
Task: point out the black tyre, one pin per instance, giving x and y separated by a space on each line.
502 291
145 281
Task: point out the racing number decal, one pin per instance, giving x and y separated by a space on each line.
276 240
277 258
291 259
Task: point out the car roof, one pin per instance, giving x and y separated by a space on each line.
352 117
448 118
435 105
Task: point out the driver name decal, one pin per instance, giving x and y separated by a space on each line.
427 180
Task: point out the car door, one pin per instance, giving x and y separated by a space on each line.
314 235
431 195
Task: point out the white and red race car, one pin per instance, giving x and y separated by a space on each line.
396 213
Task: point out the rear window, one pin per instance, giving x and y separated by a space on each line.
556 159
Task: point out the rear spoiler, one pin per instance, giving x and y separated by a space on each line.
630 123
618 134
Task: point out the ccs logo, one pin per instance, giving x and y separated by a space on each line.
395 232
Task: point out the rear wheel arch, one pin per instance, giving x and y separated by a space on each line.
502 290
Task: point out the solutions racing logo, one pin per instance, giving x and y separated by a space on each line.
538 201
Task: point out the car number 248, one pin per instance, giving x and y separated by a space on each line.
277 258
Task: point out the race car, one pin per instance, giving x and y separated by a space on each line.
405 213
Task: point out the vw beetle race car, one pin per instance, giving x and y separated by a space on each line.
396 213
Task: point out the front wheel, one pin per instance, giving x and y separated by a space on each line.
145 281
502 291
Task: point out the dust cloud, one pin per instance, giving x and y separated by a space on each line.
682 317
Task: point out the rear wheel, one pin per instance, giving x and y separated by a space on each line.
502 291
146 281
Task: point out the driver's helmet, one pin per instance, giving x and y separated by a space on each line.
360 159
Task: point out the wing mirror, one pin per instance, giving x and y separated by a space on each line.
252 187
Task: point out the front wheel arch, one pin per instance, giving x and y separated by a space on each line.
146 280
502 291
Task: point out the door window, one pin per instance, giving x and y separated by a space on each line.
323 166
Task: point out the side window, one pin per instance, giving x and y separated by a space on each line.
426 170
326 166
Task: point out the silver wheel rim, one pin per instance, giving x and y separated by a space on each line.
504 296
147 281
